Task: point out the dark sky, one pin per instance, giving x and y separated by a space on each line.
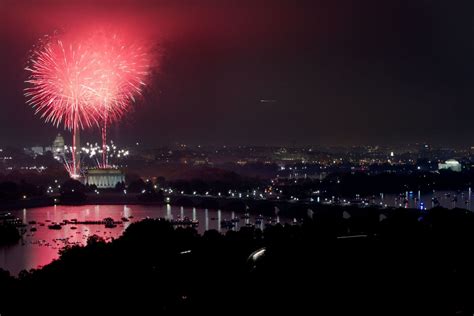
341 72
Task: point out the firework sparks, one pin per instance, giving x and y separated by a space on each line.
85 83
121 72
91 154
60 74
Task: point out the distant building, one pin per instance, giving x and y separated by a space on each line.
198 162
58 146
34 151
37 150
450 164
104 178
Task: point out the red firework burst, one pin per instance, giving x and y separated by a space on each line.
87 81
121 73
60 74
84 82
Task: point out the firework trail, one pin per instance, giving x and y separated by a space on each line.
86 82
60 74
121 73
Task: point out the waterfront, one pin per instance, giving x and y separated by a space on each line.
411 199
40 247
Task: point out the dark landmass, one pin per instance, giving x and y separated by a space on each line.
16 185
348 185
342 261
9 234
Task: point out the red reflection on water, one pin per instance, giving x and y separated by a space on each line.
41 247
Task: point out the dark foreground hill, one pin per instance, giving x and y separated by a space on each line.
408 263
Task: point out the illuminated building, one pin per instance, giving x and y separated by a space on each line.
37 150
104 178
58 146
450 164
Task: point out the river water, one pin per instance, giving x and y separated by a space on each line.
41 247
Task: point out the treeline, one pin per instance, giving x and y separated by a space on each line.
210 180
10 191
16 185
74 192
341 261
214 187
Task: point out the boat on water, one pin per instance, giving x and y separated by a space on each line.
109 222
124 219
227 224
186 221
55 226
8 218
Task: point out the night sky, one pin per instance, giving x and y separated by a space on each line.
339 72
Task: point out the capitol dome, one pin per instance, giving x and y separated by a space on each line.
58 146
